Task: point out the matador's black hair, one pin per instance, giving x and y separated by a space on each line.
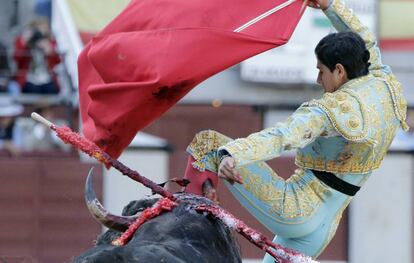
346 48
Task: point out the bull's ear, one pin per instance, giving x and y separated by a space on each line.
118 223
137 206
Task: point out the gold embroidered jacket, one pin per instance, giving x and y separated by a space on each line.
347 131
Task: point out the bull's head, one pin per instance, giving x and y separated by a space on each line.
182 235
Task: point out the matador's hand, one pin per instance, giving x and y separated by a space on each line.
319 4
228 171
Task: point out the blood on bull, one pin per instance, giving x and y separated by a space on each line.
182 235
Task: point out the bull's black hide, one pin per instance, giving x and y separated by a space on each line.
181 235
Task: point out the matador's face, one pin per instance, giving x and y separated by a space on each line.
331 80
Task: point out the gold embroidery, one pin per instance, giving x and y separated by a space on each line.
353 122
357 157
331 103
346 107
353 165
321 190
373 113
350 159
340 96
398 100
348 129
203 143
296 199
269 143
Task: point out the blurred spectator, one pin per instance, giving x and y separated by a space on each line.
34 136
4 69
8 115
35 56
7 84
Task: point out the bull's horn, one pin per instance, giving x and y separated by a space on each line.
119 223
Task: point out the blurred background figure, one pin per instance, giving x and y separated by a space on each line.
4 69
36 57
7 83
8 114
32 136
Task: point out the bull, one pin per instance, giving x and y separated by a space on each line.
179 236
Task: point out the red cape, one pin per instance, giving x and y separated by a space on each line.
156 51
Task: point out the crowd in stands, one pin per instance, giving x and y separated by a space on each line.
28 67
34 57
19 134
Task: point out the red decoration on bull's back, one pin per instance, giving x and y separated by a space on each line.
170 201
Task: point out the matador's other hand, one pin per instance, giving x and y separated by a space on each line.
228 171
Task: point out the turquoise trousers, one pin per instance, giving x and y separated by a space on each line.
301 211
